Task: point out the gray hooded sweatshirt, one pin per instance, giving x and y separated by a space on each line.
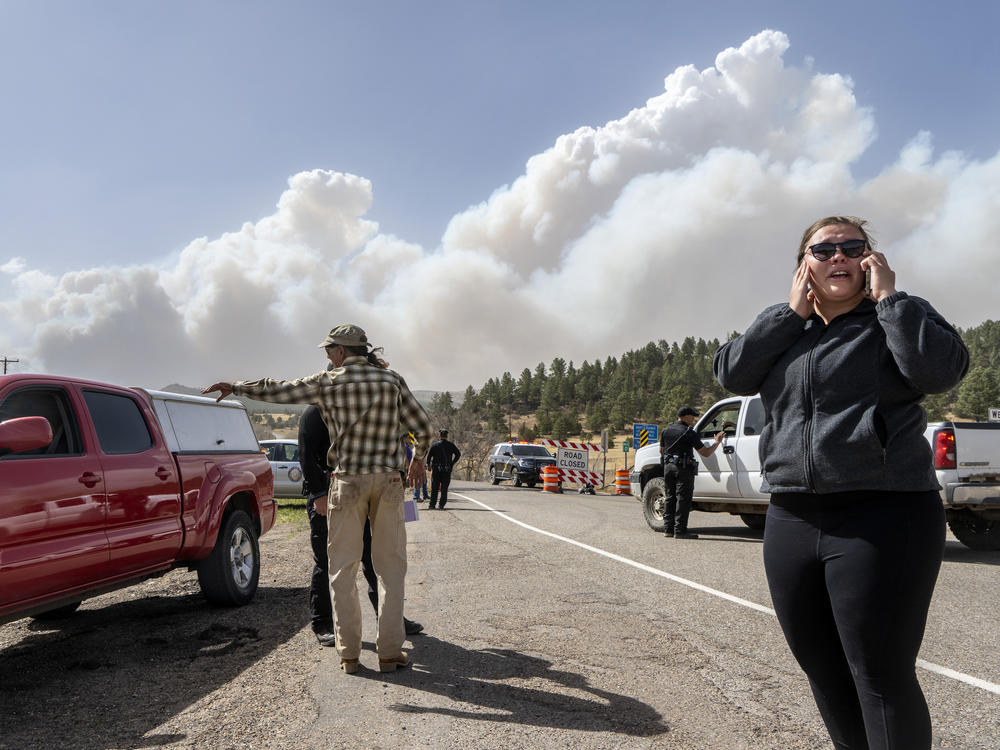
843 400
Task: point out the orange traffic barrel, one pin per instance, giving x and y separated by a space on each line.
622 486
550 479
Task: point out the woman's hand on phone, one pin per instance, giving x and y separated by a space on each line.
882 278
801 298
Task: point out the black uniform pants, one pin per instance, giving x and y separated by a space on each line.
439 483
851 577
320 604
680 489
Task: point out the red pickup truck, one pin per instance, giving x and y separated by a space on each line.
102 486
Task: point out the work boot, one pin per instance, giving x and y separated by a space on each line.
326 639
668 531
390 665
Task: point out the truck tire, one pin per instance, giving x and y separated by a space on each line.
517 479
754 521
229 576
654 496
493 475
974 531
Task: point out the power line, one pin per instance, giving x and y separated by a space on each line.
6 362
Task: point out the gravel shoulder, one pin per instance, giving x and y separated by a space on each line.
154 665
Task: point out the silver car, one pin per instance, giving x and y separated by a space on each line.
284 458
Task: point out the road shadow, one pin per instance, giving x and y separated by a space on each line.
103 678
508 686
728 534
488 488
958 552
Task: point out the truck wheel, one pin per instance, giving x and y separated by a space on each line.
493 475
229 575
974 531
654 497
532 484
517 479
59 613
754 520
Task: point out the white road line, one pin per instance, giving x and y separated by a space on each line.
989 687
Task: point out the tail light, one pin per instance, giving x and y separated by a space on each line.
944 449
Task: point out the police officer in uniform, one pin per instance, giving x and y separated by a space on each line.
677 445
441 457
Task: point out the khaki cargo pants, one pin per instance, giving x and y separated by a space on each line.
352 499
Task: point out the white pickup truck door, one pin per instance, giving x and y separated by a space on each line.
733 471
717 475
747 458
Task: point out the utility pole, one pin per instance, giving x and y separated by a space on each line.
8 361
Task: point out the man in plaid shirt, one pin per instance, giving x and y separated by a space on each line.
368 409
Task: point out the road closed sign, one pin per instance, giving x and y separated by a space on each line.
570 458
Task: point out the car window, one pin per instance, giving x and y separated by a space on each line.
55 406
286 452
119 423
531 450
722 418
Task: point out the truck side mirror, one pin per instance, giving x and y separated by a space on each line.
24 434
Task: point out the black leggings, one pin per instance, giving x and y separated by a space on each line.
851 577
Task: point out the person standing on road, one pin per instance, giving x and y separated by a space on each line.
441 458
368 409
314 445
855 527
677 445
417 488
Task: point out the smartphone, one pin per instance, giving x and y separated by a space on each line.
868 282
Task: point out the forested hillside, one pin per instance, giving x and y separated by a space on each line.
648 385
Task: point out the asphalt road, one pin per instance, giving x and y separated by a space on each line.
562 621
552 621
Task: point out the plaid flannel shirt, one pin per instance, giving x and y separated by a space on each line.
367 409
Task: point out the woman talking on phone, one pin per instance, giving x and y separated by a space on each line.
855 527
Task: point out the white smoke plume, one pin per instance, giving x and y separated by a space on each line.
681 218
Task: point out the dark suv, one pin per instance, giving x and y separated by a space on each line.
521 462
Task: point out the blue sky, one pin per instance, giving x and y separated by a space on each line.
132 129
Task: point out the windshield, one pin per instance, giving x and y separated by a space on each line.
530 450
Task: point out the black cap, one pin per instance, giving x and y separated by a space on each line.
443 433
686 411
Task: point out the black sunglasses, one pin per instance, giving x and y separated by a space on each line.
826 250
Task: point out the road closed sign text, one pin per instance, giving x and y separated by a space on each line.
569 458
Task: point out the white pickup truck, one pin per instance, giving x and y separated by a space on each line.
966 459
